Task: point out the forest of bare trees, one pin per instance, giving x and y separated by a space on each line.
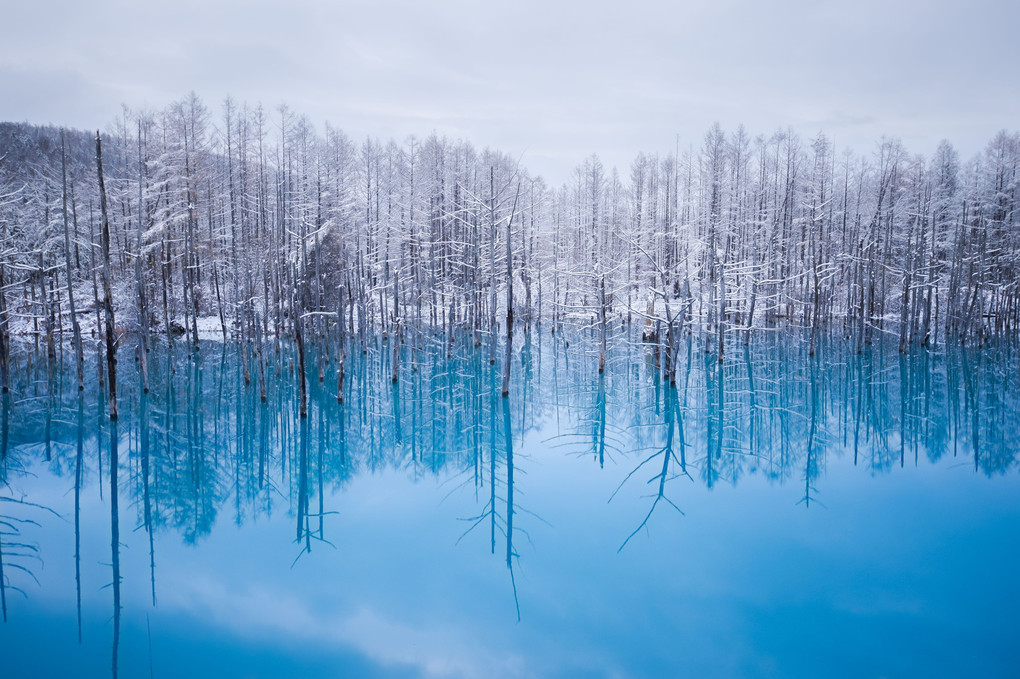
251 225
373 299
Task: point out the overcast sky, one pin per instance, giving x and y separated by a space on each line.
551 81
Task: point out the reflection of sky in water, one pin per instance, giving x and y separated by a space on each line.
888 572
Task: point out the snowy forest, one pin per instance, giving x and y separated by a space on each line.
252 225
418 352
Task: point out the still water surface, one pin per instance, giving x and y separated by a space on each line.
779 515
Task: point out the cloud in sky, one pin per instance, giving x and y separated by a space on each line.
554 81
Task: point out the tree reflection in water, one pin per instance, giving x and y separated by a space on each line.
203 443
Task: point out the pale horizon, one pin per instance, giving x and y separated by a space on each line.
550 84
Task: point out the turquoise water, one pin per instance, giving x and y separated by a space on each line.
778 515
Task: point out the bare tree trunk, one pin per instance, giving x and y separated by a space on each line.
96 304
602 324
509 297
111 340
341 345
395 335
750 313
5 367
492 265
395 363
219 301
722 309
47 302
79 356
143 307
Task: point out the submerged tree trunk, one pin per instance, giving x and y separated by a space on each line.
302 386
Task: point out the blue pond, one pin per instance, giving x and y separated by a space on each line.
848 515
